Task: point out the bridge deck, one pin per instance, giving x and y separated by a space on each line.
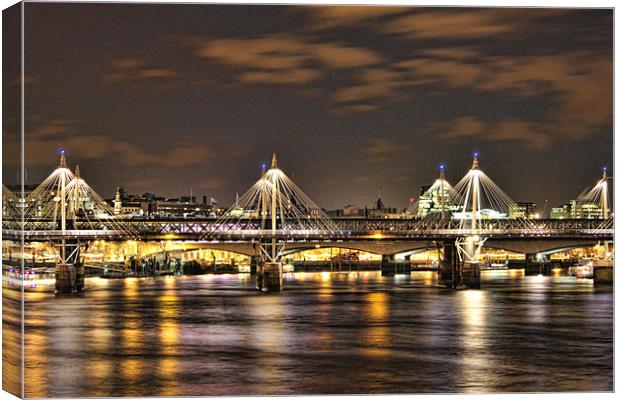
348 229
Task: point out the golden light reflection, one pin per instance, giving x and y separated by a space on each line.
378 306
131 288
168 369
516 273
269 335
98 369
377 336
475 361
100 335
169 338
36 363
429 278
131 332
132 370
169 335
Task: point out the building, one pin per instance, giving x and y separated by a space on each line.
181 207
485 213
584 210
524 210
348 211
561 212
151 205
381 211
435 200
33 209
577 209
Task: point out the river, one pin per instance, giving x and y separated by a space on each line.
354 332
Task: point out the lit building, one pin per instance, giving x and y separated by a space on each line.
485 213
154 206
584 210
381 211
433 201
576 209
34 209
525 210
348 211
561 212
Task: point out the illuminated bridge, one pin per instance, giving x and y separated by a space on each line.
275 217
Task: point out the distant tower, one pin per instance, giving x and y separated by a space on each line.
118 201
379 205
605 205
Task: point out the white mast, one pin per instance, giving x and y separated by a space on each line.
474 196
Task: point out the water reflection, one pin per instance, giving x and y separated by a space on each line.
352 332
377 336
475 357
169 339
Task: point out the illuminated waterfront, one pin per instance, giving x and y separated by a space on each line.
354 332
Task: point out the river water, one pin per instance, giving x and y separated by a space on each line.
354 332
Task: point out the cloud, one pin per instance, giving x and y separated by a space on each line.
296 76
533 135
334 16
581 84
578 84
453 73
452 24
131 69
380 150
212 183
283 58
44 140
575 84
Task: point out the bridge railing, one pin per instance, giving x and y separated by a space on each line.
347 227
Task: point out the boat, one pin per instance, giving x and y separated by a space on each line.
583 269
490 266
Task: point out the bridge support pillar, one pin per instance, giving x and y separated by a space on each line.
603 274
449 266
388 267
69 272
69 278
470 274
269 277
253 264
532 266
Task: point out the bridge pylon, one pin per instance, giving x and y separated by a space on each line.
275 210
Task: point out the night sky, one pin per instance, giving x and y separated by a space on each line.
164 98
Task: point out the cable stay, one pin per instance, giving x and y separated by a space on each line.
275 206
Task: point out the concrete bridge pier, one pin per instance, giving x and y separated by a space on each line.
269 277
388 265
449 266
470 274
603 273
69 278
533 266
70 274
253 264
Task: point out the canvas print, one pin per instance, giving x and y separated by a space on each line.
230 199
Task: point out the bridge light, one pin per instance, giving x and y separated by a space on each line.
62 151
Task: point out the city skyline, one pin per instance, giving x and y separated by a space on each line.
192 197
351 99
